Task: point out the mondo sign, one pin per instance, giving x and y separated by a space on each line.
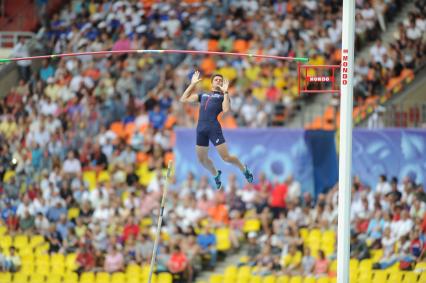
320 79
345 67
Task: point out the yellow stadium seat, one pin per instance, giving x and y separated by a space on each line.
87 277
54 278
5 277
70 277
133 279
70 262
27 268
37 278
296 279
42 268
421 265
323 280
102 277
57 259
3 230
251 225
333 266
42 249
364 276
365 265
328 236
20 241
24 251
409 277
364 280
215 278
90 178
230 274
73 213
376 255
353 276
20 278
145 279
42 258
166 277
269 279
6 242
8 175
380 276
223 239
118 277
243 280
283 279
395 277
133 269
309 280
422 278
315 235
256 279
304 232
244 272
36 240
104 176
353 265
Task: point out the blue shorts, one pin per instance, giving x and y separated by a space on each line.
209 130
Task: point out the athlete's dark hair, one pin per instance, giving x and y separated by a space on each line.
215 75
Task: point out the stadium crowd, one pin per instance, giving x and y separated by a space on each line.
55 126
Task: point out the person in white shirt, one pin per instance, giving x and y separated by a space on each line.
71 165
403 226
24 66
383 187
294 190
377 51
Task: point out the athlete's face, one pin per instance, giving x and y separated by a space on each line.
217 82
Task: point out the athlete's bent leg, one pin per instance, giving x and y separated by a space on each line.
224 154
203 157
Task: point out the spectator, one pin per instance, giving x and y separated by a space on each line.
114 260
321 265
207 242
12 262
178 262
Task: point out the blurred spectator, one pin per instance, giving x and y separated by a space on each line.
12 262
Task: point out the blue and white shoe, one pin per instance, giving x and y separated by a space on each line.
217 180
248 174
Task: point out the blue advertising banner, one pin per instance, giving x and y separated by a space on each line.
275 152
392 152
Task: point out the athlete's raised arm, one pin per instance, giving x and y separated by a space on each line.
226 99
188 95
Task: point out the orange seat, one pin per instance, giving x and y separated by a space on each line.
143 128
407 75
170 122
241 46
213 45
129 129
118 128
141 157
208 65
168 157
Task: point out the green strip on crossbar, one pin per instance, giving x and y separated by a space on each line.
4 60
301 59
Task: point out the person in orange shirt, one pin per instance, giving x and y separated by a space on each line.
219 213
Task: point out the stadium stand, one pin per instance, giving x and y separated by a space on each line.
84 142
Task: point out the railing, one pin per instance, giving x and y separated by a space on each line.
397 115
8 39
2 11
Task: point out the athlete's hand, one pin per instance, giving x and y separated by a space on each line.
195 78
225 85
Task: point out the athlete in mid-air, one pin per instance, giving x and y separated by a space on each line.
208 128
